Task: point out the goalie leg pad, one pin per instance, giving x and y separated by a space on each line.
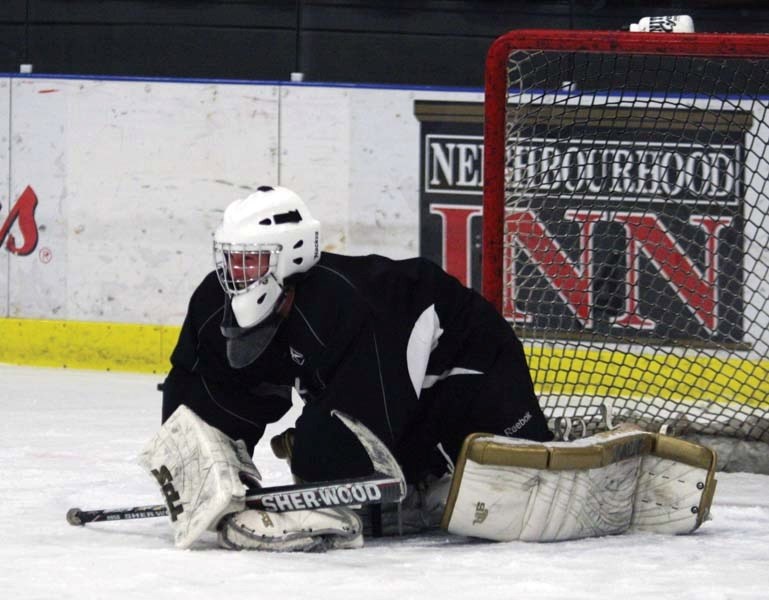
508 489
298 531
675 488
200 471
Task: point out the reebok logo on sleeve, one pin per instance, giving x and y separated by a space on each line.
518 425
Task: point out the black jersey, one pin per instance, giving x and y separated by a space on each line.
400 345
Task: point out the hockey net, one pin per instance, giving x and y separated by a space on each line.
626 226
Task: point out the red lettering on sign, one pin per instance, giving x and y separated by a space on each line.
570 281
22 213
456 237
645 234
698 289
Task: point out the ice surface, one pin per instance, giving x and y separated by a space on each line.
70 438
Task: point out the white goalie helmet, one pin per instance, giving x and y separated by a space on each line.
263 239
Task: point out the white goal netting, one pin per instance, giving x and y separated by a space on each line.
626 232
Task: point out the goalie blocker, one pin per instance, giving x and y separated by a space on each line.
510 489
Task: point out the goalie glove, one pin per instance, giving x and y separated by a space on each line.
282 445
298 531
200 472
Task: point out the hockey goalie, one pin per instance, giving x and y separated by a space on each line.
431 372
502 489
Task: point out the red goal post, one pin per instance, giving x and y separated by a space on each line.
624 181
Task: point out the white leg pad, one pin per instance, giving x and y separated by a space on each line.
540 506
506 489
675 488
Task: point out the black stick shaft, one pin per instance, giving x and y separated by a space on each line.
76 516
351 492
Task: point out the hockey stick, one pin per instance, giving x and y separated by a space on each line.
350 492
385 484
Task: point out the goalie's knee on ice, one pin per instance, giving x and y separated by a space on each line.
510 489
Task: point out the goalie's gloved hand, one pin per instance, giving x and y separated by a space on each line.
325 449
283 444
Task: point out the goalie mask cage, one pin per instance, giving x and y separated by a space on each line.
626 224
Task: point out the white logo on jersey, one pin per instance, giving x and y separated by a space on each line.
296 356
518 424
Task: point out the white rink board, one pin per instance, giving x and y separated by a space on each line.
44 146
353 154
5 201
132 177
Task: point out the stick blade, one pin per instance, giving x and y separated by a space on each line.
381 457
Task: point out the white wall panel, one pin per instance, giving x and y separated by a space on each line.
42 143
138 173
315 156
132 178
384 170
384 177
5 192
353 154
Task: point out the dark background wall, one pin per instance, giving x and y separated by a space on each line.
439 42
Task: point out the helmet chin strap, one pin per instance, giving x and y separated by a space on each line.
286 302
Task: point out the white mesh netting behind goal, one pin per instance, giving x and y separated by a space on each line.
626 225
